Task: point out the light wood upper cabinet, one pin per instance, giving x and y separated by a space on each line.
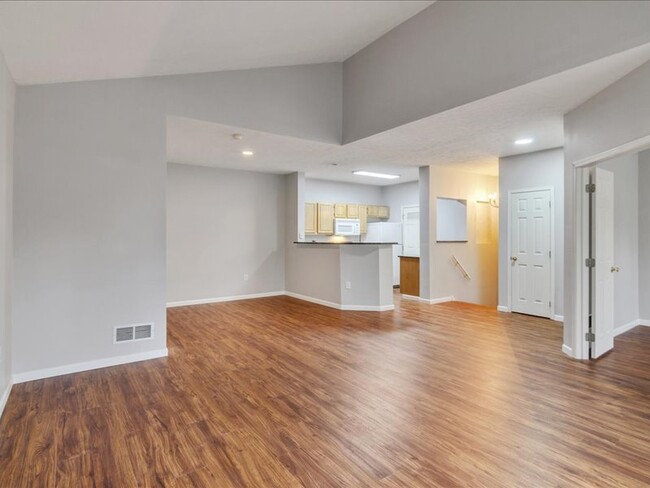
326 218
363 219
383 211
352 211
340 210
310 218
373 211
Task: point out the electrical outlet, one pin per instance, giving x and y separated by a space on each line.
348 285
246 277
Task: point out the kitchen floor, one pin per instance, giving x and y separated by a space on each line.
281 392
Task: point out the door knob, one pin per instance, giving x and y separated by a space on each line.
615 269
513 258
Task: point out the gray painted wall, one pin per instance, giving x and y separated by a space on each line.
529 171
427 232
626 237
222 225
616 116
398 196
644 235
444 57
7 99
90 186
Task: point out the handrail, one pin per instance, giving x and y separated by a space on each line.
457 263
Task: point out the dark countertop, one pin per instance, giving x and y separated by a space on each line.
344 243
413 257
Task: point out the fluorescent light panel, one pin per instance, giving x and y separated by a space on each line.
521 142
247 153
375 175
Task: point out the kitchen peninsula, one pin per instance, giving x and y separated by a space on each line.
351 275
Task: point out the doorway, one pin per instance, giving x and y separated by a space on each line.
530 242
411 230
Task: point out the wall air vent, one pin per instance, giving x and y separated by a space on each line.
129 333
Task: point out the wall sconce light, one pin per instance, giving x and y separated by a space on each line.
491 199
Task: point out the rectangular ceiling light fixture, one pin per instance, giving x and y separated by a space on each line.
375 175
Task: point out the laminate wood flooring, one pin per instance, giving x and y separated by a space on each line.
278 392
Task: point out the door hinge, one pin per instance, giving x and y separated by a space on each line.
549 254
590 337
549 304
590 187
590 263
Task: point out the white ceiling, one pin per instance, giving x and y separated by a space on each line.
54 41
471 137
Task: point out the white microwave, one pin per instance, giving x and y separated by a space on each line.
347 227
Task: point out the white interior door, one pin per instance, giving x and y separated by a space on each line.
530 247
411 230
602 250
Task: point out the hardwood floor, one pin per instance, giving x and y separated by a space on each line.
279 392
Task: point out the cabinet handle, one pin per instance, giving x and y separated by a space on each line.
513 258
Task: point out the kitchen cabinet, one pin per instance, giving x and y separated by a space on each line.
363 219
409 275
352 211
373 211
325 218
340 210
383 212
311 220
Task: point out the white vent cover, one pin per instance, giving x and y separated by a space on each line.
129 333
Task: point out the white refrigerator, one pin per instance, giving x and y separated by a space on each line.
387 232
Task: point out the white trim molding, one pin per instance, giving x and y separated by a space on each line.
203 301
644 322
558 318
4 398
87 366
503 308
338 306
630 325
435 301
567 350
410 297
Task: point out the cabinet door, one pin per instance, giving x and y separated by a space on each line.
373 211
326 218
339 210
310 218
353 211
384 212
363 219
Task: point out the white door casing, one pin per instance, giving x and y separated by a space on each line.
530 242
602 250
411 230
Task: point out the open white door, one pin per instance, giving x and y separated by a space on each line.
602 250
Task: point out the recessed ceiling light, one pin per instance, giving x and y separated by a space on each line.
237 137
247 153
375 175
521 142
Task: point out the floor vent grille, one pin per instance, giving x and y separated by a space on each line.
130 333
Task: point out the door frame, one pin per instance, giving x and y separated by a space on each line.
580 231
551 189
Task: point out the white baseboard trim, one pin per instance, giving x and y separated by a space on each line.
368 308
338 306
4 398
317 301
567 350
625 327
87 366
203 301
558 318
644 322
503 308
410 297
435 301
